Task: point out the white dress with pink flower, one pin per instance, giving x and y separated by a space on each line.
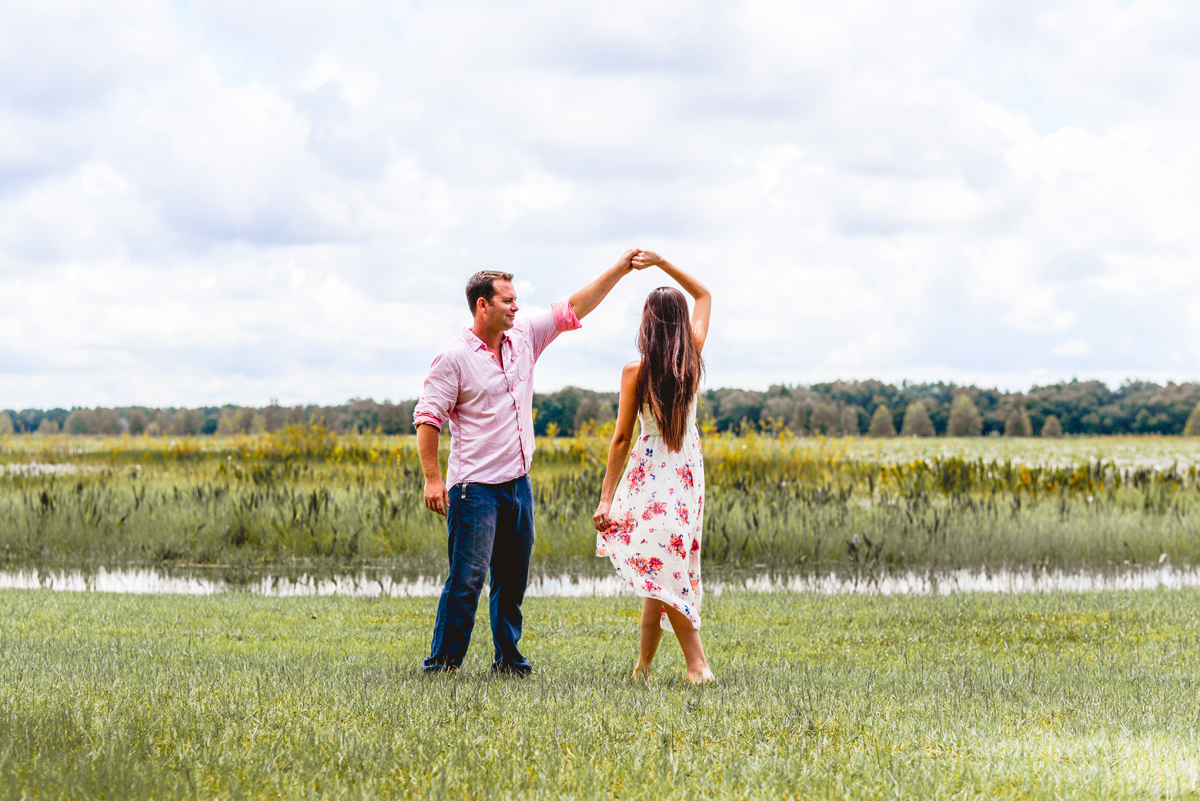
657 513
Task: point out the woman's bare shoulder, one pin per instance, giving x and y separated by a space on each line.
630 373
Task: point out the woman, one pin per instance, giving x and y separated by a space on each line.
649 521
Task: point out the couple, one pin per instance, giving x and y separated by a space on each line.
649 518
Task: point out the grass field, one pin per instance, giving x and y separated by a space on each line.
304 499
1042 695
1054 696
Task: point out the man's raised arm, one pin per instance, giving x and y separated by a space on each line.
588 298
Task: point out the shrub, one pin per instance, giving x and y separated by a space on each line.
1192 427
799 418
160 422
394 418
916 421
1017 423
1052 428
965 419
593 408
94 421
850 421
240 421
77 423
882 424
779 411
823 420
274 416
187 423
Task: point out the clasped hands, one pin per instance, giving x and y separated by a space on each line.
638 259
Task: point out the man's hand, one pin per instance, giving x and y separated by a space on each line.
625 263
588 298
601 520
437 497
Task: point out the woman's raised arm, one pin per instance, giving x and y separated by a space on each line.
702 308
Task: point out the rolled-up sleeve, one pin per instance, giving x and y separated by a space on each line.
439 395
546 327
564 316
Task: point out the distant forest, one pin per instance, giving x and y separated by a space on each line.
839 408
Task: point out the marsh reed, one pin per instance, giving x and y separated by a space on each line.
304 498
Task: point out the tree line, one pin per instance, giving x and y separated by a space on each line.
871 407
354 416
876 408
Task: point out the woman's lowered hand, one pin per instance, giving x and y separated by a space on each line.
601 520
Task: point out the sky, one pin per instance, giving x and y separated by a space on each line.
230 202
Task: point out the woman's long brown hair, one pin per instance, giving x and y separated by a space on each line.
671 363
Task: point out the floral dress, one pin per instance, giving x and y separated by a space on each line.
657 513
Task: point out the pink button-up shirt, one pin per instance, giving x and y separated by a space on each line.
490 408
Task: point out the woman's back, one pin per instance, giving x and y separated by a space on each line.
650 425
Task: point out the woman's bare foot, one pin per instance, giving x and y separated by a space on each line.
700 675
640 673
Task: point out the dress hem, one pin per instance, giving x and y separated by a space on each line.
641 592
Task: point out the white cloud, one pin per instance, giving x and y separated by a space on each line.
771 162
211 202
356 87
1072 347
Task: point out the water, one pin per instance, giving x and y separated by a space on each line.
35 469
363 585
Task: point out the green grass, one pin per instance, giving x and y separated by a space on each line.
307 500
1058 695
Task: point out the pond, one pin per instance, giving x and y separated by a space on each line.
366 585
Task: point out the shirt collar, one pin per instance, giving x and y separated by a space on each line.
478 344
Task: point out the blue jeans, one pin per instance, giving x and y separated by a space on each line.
489 525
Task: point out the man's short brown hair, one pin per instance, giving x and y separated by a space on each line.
483 285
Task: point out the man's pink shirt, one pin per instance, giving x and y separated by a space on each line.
490 408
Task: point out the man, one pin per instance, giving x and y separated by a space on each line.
483 385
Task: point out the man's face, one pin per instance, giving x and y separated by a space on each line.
501 313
